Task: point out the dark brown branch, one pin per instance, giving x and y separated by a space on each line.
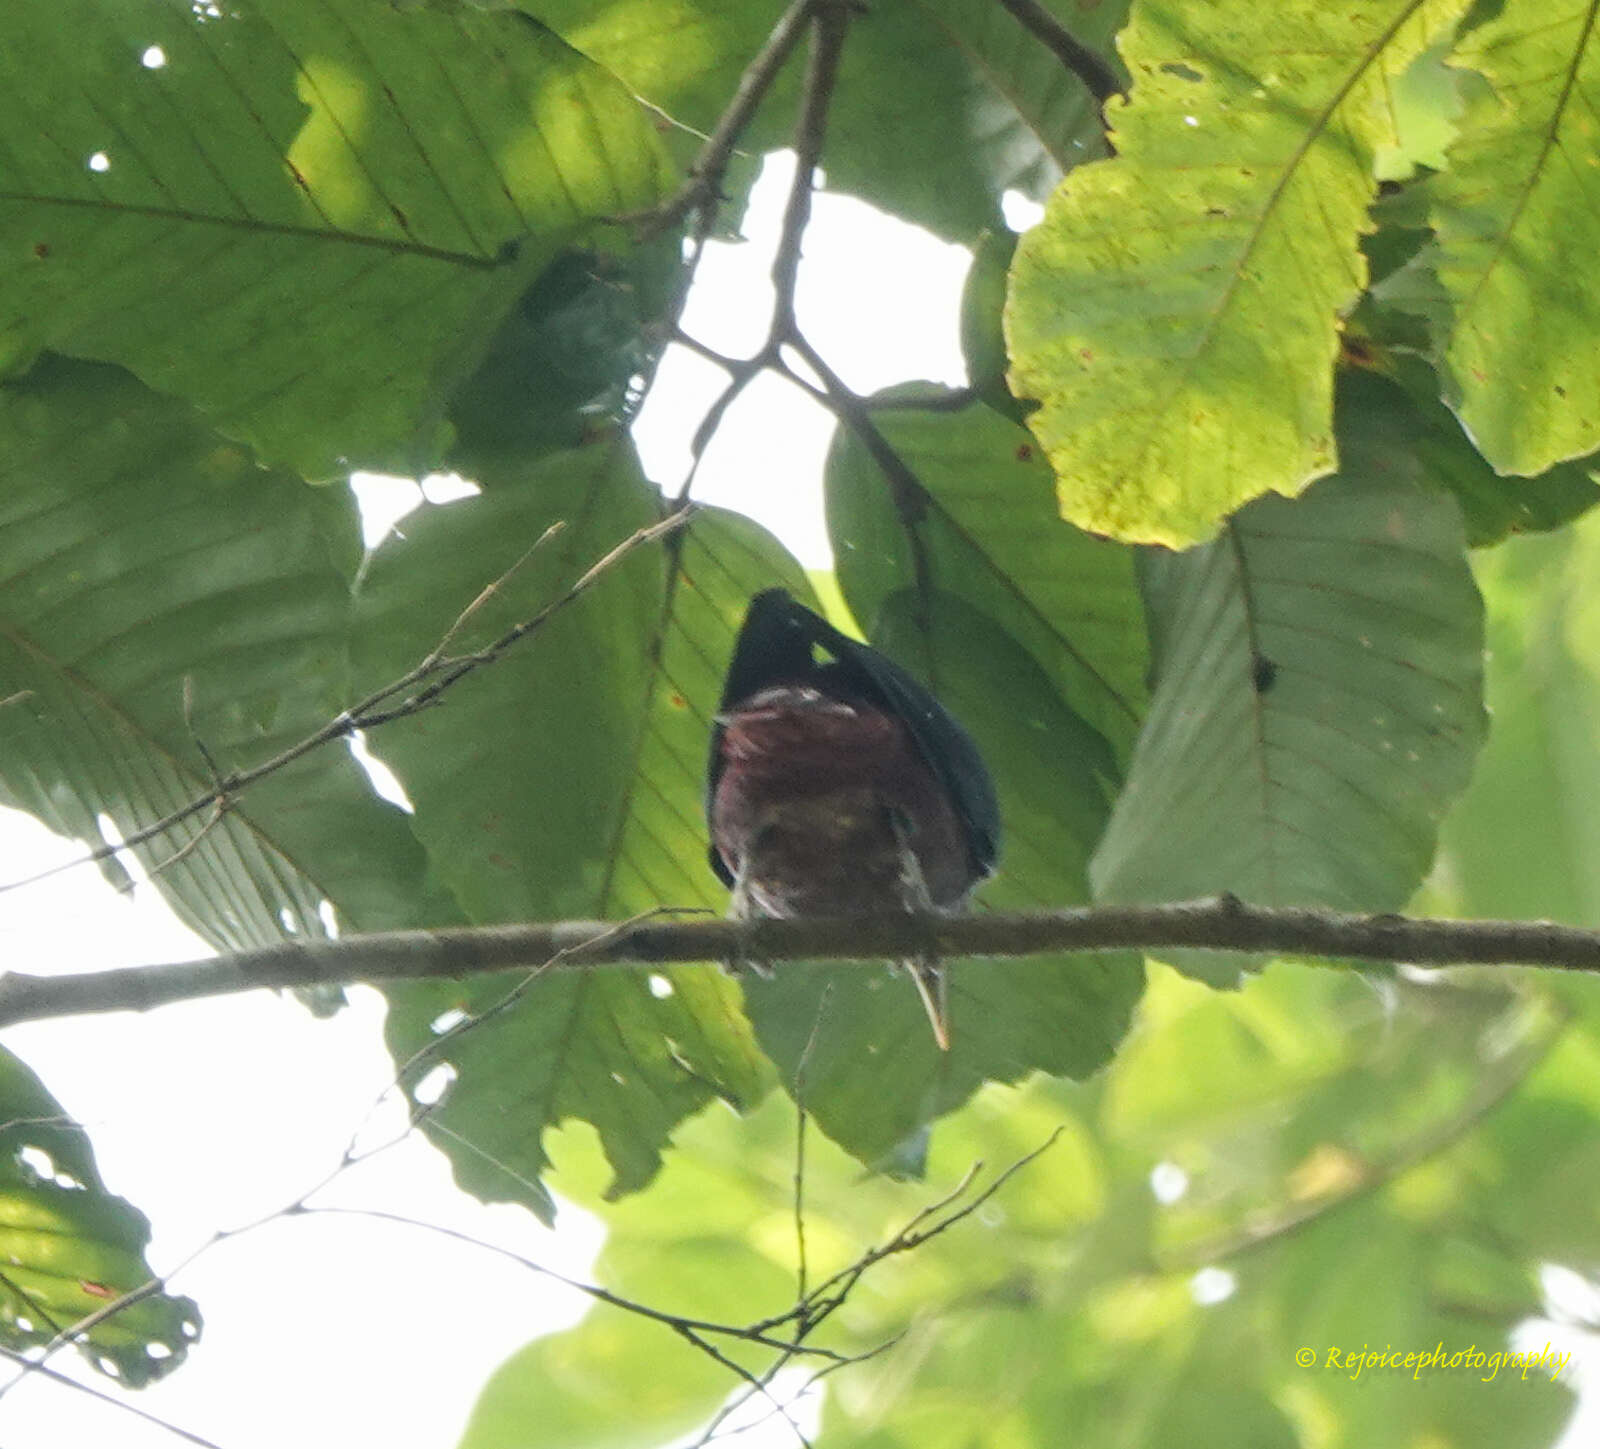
829 24
829 20
1100 79
1218 924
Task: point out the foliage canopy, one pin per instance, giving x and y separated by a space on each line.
1309 319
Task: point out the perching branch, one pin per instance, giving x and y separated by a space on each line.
1216 924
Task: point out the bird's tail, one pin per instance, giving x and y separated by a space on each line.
930 983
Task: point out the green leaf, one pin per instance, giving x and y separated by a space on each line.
1395 426
1524 841
1033 119
616 1381
1176 313
1426 101
940 107
985 529
1515 221
310 216
565 781
562 369
1317 707
162 596
944 106
854 1045
68 1247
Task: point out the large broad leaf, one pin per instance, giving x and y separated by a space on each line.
68 1247
1397 426
1515 215
615 1381
1177 311
984 528
854 1045
306 216
1524 841
941 106
161 596
1317 708
566 781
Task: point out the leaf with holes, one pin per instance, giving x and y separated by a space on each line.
1515 216
981 523
1177 312
565 781
69 1248
1318 704
163 598
853 1042
306 216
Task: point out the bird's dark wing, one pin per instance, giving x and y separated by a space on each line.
948 749
777 645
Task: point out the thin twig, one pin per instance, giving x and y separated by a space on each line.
676 1321
158 1283
57 1377
488 592
758 1384
370 712
702 191
800 1144
219 808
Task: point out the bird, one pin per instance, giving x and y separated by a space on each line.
837 784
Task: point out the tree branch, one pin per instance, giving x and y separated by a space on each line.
702 191
1100 79
1217 924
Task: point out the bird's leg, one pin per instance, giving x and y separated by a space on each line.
923 968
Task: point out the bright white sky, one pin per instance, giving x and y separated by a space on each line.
212 1114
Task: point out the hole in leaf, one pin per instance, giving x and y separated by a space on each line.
430 1090
37 1161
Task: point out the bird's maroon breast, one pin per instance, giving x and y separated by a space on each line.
818 800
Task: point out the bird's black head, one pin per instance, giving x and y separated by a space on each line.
780 644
